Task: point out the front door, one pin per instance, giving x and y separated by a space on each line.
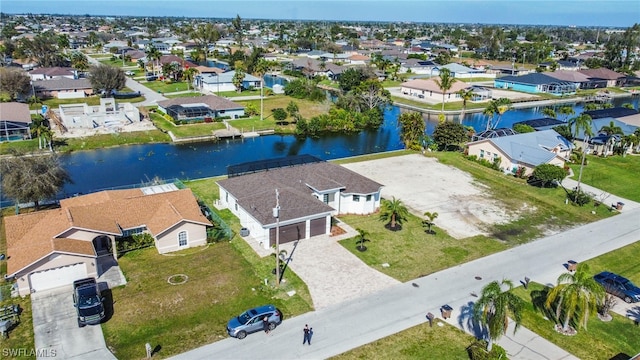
102 245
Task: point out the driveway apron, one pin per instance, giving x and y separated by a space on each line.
56 328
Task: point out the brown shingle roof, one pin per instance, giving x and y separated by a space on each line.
256 192
14 111
602 73
32 236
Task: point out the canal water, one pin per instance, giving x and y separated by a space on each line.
130 165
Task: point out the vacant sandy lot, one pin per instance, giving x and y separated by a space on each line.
423 184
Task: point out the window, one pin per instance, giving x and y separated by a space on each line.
481 154
368 197
182 238
356 198
138 230
325 198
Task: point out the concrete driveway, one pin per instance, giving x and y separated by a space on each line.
322 264
56 330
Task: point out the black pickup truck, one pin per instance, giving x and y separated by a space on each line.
88 302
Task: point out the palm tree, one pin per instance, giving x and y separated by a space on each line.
445 82
496 107
591 106
361 238
412 128
38 128
494 307
429 220
204 35
260 69
549 112
393 212
577 296
611 129
189 74
582 122
465 95
154 55
566 111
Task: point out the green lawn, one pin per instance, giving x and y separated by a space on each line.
307 109
166 87
183 95
90 142
419 342
615 174
110 140
21 337
411 252
185 130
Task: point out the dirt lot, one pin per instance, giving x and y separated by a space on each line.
423 184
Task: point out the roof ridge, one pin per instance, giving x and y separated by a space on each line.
68 214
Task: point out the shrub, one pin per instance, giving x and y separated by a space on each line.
579 197
548 174
478 351
135 241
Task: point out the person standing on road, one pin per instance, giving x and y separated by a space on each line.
307 335
265 325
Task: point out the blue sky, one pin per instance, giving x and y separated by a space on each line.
618 13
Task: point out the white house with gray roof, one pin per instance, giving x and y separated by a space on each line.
527 150
216 83
309 195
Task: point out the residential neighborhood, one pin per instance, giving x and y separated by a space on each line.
215 177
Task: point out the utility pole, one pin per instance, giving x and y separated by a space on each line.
276 214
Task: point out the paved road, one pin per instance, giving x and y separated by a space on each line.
357 322
151 97
56 330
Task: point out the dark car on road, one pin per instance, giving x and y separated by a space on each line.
250 321
619 286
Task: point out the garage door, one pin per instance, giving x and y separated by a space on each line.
288 233
53 278
318 227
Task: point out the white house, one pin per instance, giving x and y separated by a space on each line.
216 83
308 195
428 89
